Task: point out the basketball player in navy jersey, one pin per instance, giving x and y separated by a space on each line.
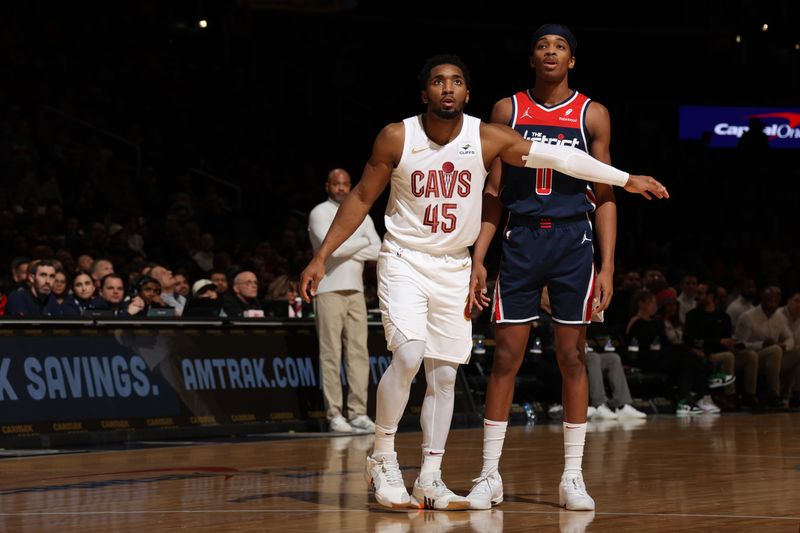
436 164
548 241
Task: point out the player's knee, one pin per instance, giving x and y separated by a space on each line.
571 358
506 362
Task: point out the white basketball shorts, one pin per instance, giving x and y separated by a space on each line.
422 297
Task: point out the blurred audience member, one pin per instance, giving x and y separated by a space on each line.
182 285
765 331
32 301
686 299
743 302
168 294
100 269
242 301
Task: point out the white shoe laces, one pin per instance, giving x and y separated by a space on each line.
393 475
479 486
576 485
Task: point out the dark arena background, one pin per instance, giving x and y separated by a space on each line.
191 139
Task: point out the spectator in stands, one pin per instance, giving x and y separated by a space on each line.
791 312
112 295
168 294
205 302
619 312
61 302
182 285
100 269
85 262
282 299
148 297
654 279
32 301
686 299
98 239
206 289
243 299
767 332
220 279
743 302
708 329
753 145
650 350
67 260
19 274
83 291
204 257
667 302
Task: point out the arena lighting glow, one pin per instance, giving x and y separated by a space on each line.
738 38
764 27
203 23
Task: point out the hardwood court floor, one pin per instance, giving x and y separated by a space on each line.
729 473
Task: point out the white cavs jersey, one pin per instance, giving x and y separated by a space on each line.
435 200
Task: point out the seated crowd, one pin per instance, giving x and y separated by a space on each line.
43 288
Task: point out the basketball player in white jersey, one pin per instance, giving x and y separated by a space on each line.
436 163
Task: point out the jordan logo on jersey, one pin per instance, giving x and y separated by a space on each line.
441 183
526 114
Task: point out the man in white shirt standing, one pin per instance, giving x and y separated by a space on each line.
341 312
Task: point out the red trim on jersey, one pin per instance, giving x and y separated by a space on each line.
587 313
590 195
569 115
498 315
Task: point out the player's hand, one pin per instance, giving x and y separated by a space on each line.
477 297
310 278
646 185
604 288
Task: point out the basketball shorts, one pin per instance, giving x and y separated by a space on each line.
423 297
544 252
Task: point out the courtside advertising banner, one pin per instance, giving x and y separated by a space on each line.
60 381
723 127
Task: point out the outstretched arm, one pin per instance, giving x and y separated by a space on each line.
356 205
513 149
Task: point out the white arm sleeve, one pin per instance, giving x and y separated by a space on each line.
574 162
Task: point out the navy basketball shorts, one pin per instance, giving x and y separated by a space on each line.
558 256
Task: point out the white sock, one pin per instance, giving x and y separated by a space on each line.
574 438
384 440
494 434
431 461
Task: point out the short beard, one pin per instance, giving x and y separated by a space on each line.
446 114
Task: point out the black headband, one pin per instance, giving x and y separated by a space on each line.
555 29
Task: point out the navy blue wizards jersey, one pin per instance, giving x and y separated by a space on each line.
544 192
